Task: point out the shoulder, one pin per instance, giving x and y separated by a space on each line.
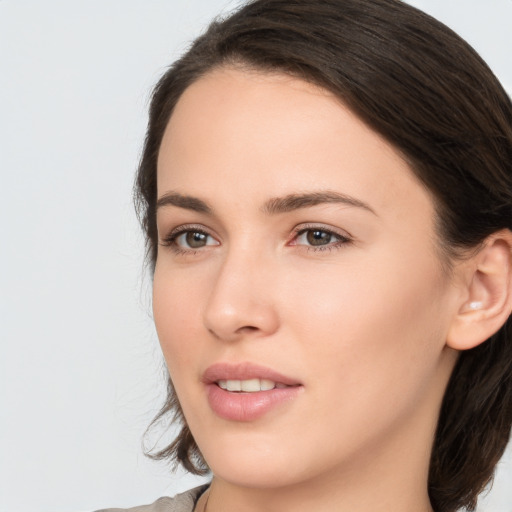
184 502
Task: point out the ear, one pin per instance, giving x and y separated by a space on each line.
487 299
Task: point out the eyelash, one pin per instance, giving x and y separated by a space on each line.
343 239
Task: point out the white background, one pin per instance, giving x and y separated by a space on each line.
80 367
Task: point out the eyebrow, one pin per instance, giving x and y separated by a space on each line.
273 206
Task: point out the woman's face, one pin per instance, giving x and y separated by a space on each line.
297 252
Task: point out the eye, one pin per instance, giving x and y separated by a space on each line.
315 237
319 238
188 239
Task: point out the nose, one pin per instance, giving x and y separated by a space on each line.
241 302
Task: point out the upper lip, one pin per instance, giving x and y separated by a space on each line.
245 371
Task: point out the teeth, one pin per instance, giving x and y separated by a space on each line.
249 386
267 384
234 385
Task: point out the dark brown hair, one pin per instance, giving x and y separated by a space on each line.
429 94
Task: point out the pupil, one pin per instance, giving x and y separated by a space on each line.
195 239
318 237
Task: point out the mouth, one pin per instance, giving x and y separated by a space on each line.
246 377
246 392
250 385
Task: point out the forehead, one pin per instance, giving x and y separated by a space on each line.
253 135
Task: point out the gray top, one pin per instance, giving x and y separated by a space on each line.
184 502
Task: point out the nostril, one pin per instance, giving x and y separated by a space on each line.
249 328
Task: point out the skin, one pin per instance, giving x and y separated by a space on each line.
361 321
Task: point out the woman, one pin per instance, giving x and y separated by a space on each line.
326 192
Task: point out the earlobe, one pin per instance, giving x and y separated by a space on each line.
488 301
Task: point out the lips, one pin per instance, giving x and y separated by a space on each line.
245 371
246 392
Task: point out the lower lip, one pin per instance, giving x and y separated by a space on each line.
239 406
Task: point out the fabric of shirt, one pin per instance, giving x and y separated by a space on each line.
184 502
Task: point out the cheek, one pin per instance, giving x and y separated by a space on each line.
176 311
369 324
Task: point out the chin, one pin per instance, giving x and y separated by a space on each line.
266 462
255 474
249 461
